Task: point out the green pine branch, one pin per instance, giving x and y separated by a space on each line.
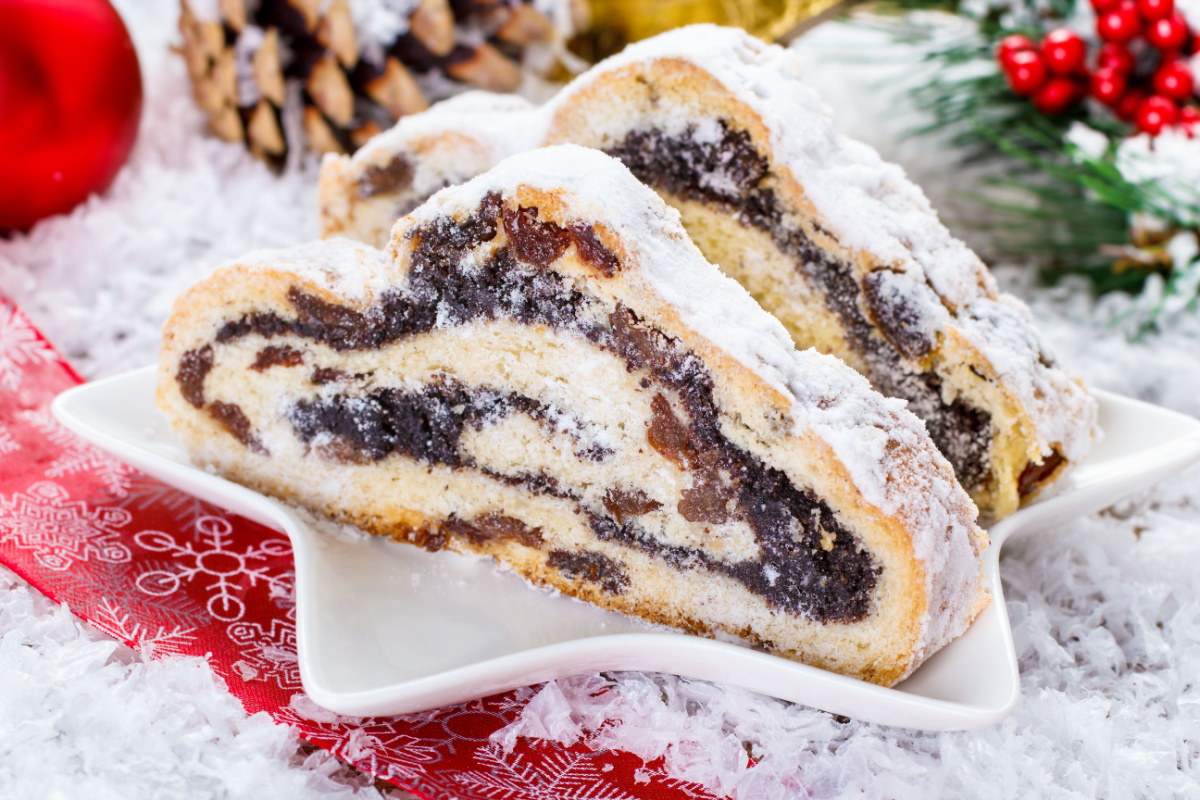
1063 210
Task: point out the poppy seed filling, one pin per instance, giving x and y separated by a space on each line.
728 172
807 561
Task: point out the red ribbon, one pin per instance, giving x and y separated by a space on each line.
169 575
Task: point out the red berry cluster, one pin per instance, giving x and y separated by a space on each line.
1140 72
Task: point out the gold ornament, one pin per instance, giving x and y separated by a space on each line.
616 23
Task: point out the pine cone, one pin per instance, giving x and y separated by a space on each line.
340 71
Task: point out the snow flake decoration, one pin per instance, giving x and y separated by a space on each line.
224 572
8 443
555 775
376 745
388 753
77 457
398 753
268 655
60 531
120 624
20 347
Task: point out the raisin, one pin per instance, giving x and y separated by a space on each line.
277 356
622 503
391 177
194 367
537 243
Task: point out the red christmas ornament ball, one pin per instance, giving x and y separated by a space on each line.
1108 85
1104 6
1025 72
1169 33
1174 80
1155 113
1057 95
70 103
1116 56
1120 25
1063 51
1155 9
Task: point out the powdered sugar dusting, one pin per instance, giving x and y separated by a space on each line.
870 206
600 189
504 123
897 469
883 446
351 269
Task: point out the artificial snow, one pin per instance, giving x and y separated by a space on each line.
1105 611
83 716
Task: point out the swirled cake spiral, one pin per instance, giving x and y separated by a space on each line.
542 368
832 240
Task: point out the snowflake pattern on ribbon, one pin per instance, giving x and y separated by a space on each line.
61 532
559 775
215 562
159 641
171 575
21 346
267 655
76 456
377 746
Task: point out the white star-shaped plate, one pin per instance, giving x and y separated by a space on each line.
386 628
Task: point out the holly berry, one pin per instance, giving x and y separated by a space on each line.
1127 107
1121 24
1063 51
1116 56
1026 72
1054 73
1155 113
1169 33
1174 80
1011 45
1057 95
1108 85
1155 9
1189 119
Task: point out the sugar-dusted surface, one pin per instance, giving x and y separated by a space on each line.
870 206
345 267
503 122
871 435
826 395
1106 611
